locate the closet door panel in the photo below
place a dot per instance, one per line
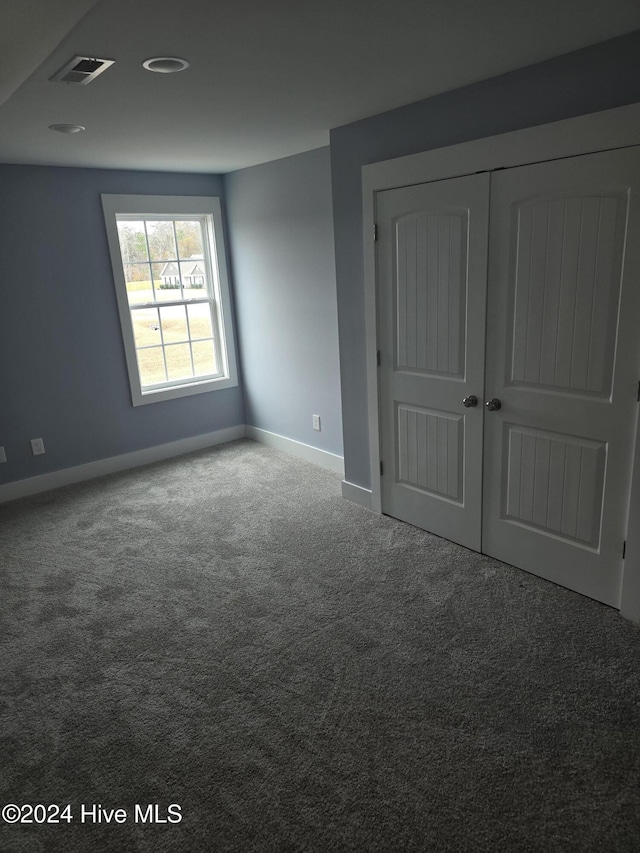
(563, 358)
(432, 264)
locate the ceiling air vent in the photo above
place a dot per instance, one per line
(81, 69)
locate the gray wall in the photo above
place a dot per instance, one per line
(596, 78)
(281, 234)
(63, 375)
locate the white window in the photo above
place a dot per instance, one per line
(170, 273)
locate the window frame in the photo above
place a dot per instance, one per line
(209, 209)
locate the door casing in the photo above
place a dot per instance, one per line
(606, 130)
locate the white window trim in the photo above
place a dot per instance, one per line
(178, 206)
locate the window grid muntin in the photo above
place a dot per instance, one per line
(206, 231)
(193, 379)
(193, 366)
(203, 280)
(153, 287)
(162, 346)
(197, 300)
(175, 237)
(176, 343)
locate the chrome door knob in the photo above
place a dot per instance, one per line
(493, 404)
(470, 401)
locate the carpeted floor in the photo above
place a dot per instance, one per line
(224, 632)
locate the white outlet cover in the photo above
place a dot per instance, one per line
(37, 446)
(3, 455)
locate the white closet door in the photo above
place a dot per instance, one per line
(563, 359)
(432, 262)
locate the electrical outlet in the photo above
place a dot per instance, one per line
(3, 455)
(37, 446)
(316, 422)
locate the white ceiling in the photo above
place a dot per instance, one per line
(268, 78)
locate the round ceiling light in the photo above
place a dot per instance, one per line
(165, 64)
(67, 128)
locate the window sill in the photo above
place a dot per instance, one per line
(158, 395)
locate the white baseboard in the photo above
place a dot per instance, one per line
(296, 448)
(113, 464)
(357, 494)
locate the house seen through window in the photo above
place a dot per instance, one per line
(172, 290)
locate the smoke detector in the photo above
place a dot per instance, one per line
(81, 70)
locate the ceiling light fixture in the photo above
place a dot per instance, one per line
(165, 64)
(67, 128)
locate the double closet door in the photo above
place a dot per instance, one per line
(509, 332)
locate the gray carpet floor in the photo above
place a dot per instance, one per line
(224, 632)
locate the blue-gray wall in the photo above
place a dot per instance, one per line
(281, 234)
(596, 78)
(63, 375)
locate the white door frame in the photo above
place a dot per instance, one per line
(617, 128)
